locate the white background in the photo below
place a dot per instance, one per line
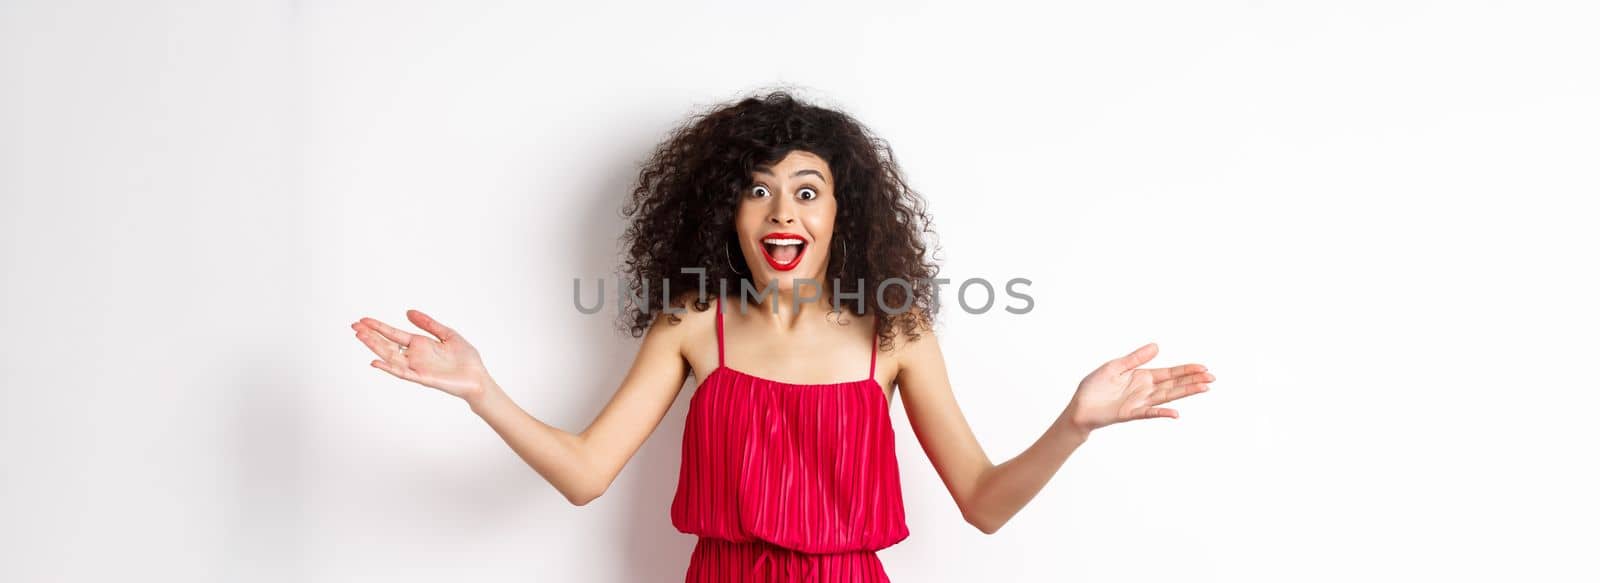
(1372, 220)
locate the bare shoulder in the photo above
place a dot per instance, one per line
(684, 316)
(687, 330)
(915, 342)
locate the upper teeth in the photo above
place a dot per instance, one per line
(782, 241)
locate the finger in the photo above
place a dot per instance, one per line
(1176, 393)
(1184, 380)
(1153, 412)
(401, 372)
(423, 321)
(1136, 358)
(1188, 379)
(379, 345)
(1162, 374)
(399, 336)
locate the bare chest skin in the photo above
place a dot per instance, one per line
(834, 351)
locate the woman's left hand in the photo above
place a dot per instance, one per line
(1121, 391)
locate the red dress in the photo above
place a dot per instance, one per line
(788, 482)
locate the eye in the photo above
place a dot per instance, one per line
(759, 191)
(807, 194)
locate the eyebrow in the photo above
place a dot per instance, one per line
(766, 170)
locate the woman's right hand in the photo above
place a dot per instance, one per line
(449, 364)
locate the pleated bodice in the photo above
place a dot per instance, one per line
(809, 468)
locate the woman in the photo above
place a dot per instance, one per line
(788, 469)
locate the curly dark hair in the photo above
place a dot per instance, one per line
(681, 212)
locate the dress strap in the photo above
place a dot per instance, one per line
(872, 371)
(719, 332)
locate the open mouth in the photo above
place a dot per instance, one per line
(783, 250)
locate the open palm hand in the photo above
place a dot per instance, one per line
(449, 364)
(1120, 391)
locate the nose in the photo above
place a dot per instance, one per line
(781, 215)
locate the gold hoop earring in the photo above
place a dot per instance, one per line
(729, 259)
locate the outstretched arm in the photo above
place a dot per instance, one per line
(988, 494)
(580, 465)
(583, 465)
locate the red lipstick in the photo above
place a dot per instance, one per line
(790, 246)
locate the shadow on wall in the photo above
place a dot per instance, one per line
(638, 504)
(463, 495)
(649, 549)
(267, 434)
